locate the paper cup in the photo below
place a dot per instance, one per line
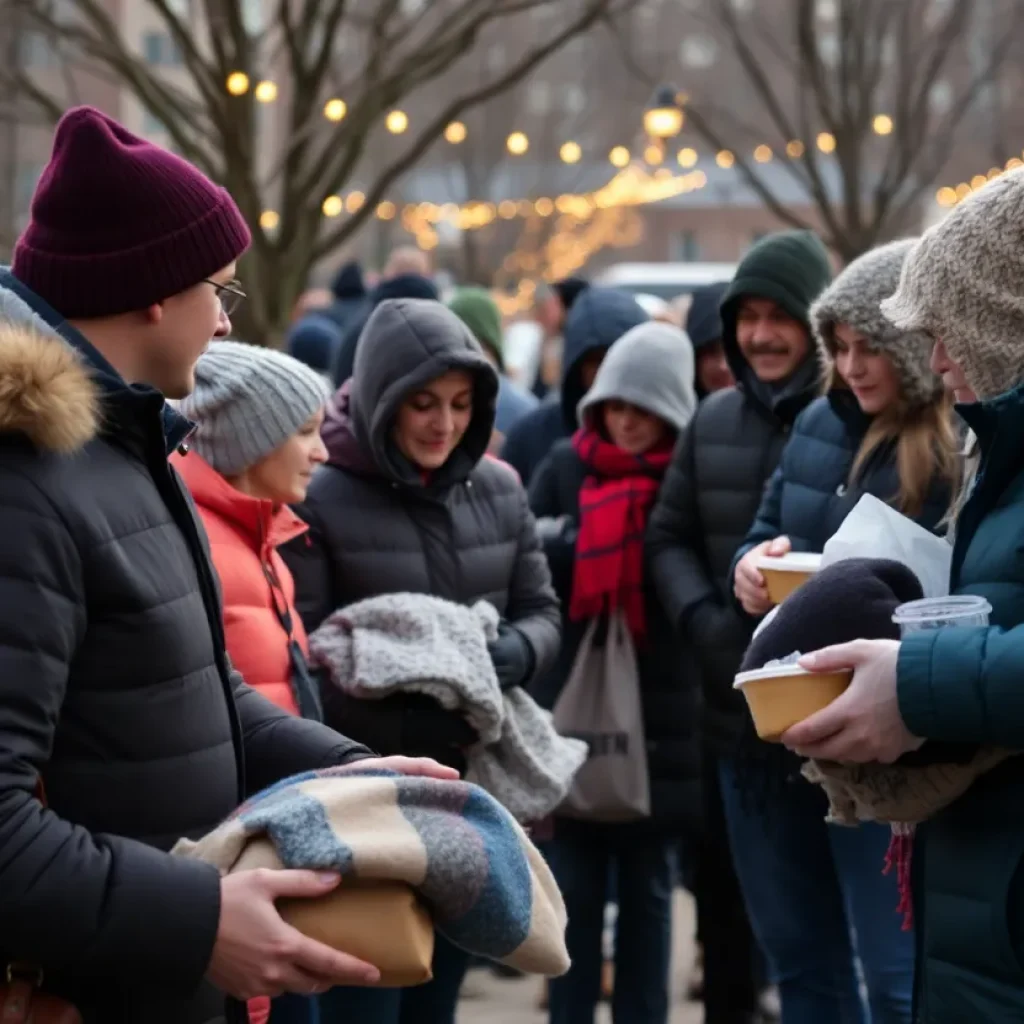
(786, 574)
(939, 612)
(780, 697)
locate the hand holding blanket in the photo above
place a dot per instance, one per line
(423, 644)
(483, 881)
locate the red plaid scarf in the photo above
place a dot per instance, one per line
(615, 501)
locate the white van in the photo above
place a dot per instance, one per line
(664, 280)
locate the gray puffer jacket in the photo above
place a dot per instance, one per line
(378, 525)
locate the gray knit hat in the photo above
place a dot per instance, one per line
(963, 283)
(650, 366)
(248, 401)
(854, 298)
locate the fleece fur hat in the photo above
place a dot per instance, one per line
(248, 401)
(650, 366)
(119, 224)
(963, 283)
(789, 267)
(854, 298)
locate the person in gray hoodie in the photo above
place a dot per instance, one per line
(592, 497)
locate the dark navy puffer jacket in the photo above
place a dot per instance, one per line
(598, 318)
(808, 497)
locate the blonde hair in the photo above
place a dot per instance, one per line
(926, 443)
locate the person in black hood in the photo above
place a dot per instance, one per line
(408, 502)
(710, 498)
(704, 326)
(316, 336)
(406, 276)
(599, 317)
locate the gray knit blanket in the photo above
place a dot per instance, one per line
(423, 644)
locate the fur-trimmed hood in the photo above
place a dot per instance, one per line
(47, 392)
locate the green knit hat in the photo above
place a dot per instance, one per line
(790, 267)
(480, 313)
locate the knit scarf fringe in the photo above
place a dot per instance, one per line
(899, 857)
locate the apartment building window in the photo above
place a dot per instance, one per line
(37, 51)
(538, 97)
(686, 247)
(698, 52)
(160, 50)
(151, 124)
(25, 185)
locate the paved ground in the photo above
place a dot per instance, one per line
(489, 1000)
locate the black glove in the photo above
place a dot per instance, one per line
(512, 656)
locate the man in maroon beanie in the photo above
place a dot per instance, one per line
(118, 707)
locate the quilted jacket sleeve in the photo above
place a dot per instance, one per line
(101, 906)
(768, 523)
(964, 685)
(278, 744)
(675, 538)
(532, 604)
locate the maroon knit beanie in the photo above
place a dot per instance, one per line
(118, 224)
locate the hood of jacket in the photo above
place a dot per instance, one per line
(24, 312)
(262, 523)
(650, 366)
(854, 298)
(404, 286)
(348, 282)
(598, 318)
(408, 343)
(703, 318)
(791, 268)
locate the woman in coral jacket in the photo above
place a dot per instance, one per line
(257, 441)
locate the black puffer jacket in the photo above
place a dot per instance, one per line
(376, 527)
(114, 688)
(668, 677)
(706, 505)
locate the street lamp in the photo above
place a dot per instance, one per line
(664, 117)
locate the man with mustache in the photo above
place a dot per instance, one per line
(707, 502)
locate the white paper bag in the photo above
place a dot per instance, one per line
(874, 530)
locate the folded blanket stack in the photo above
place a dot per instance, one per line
(487, 888)
(419, 643)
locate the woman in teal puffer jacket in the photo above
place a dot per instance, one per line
(964, 285)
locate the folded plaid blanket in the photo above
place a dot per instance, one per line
(483, 881)
(424, 644)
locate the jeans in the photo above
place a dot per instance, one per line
(818, 902)
(734, 969)
(580, 856)
(433, 1003)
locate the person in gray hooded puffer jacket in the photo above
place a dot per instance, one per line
(408, 502)
(594, 493)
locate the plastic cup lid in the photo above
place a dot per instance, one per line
(929, 608)
(795, 561)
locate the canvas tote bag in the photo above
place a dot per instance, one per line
(600, 704)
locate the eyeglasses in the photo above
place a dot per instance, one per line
(231, 295)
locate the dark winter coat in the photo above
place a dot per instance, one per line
(965, 686)
(405, 286)
(668, 678)
(709, 499)
(598, 318)
(114, 688)
(808, 496)
(376, 527)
